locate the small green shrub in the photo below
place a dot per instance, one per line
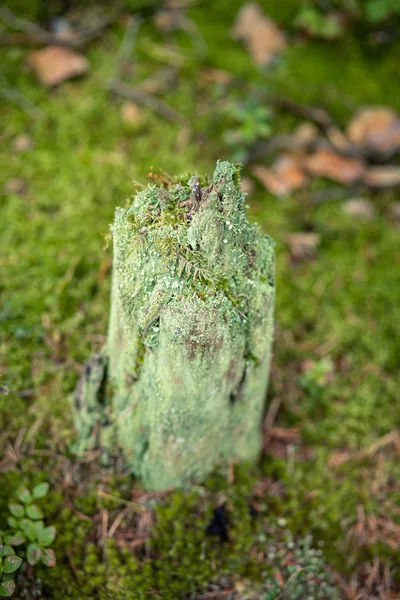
(252, 122)
(27, 526)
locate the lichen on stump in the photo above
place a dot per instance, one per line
(180, 385)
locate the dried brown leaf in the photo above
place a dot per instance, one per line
(382, 177)
(360, 208)
(376, 129)
(302, 244)
(211, 75)
(131, 113)
(22, 143)
(305, 135)
(327, 163)
(261, 35)
(284, 176)
(247, 185)
(55, 64)
(16, 185)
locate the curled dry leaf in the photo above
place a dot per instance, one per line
(261, 35)
(211, 75)
(22, 143)
(302, 245)
(54, 64)
(284, 176)
(16, 185)
(327, 163)
(131, 113)
(376, 129)
(247, 185)
(305, 135)
(360, 208)
(382, 177)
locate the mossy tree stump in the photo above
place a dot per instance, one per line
(181, 382)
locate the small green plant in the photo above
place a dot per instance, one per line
(253, 123)
(303, 573)
(380, 10)
(27, 526)
(9, 563)
(316, 376)
(314, 22)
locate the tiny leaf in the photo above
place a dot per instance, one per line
(11, 563)
(33, 554)
(34, 512)
(7, 588)
(40, 490)
(29, 529)
(49, 557)
(46, 536)
(8, 551)
(17, 510)
(12, 522)
(15, 540)
(24, 495)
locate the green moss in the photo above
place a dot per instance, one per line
(193, 281)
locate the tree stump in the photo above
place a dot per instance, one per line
(180, 385)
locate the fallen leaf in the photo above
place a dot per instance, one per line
(16, 185)
(131, 113)
(211, 75)
(302, 245)
(360, 208)
(55, 64)
(382, 177)
(375, 128)
(284, 176)
(22, 143)
(326, 163)
(261, 35)
(168, 19)
(305, 135)
(247, 185)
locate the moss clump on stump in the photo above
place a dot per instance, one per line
(181, 382)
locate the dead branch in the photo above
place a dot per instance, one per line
(141, 97)
(36, 34)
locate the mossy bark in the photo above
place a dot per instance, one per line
(181, 382)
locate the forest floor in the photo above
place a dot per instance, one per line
(331, 467)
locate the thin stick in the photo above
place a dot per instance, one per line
(126, 47)
(117, 522)
(42, 36)
(340, 458)
(141, 97)
(134, 505)
(20, 100)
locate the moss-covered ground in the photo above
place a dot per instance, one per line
(341, 305)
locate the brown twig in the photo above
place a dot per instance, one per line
(117, 522)
(339, 458)
(126, 47)
(133, 505)
(141, 97)
(39, 35)
(320, 116)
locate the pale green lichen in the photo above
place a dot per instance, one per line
(190, 330)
